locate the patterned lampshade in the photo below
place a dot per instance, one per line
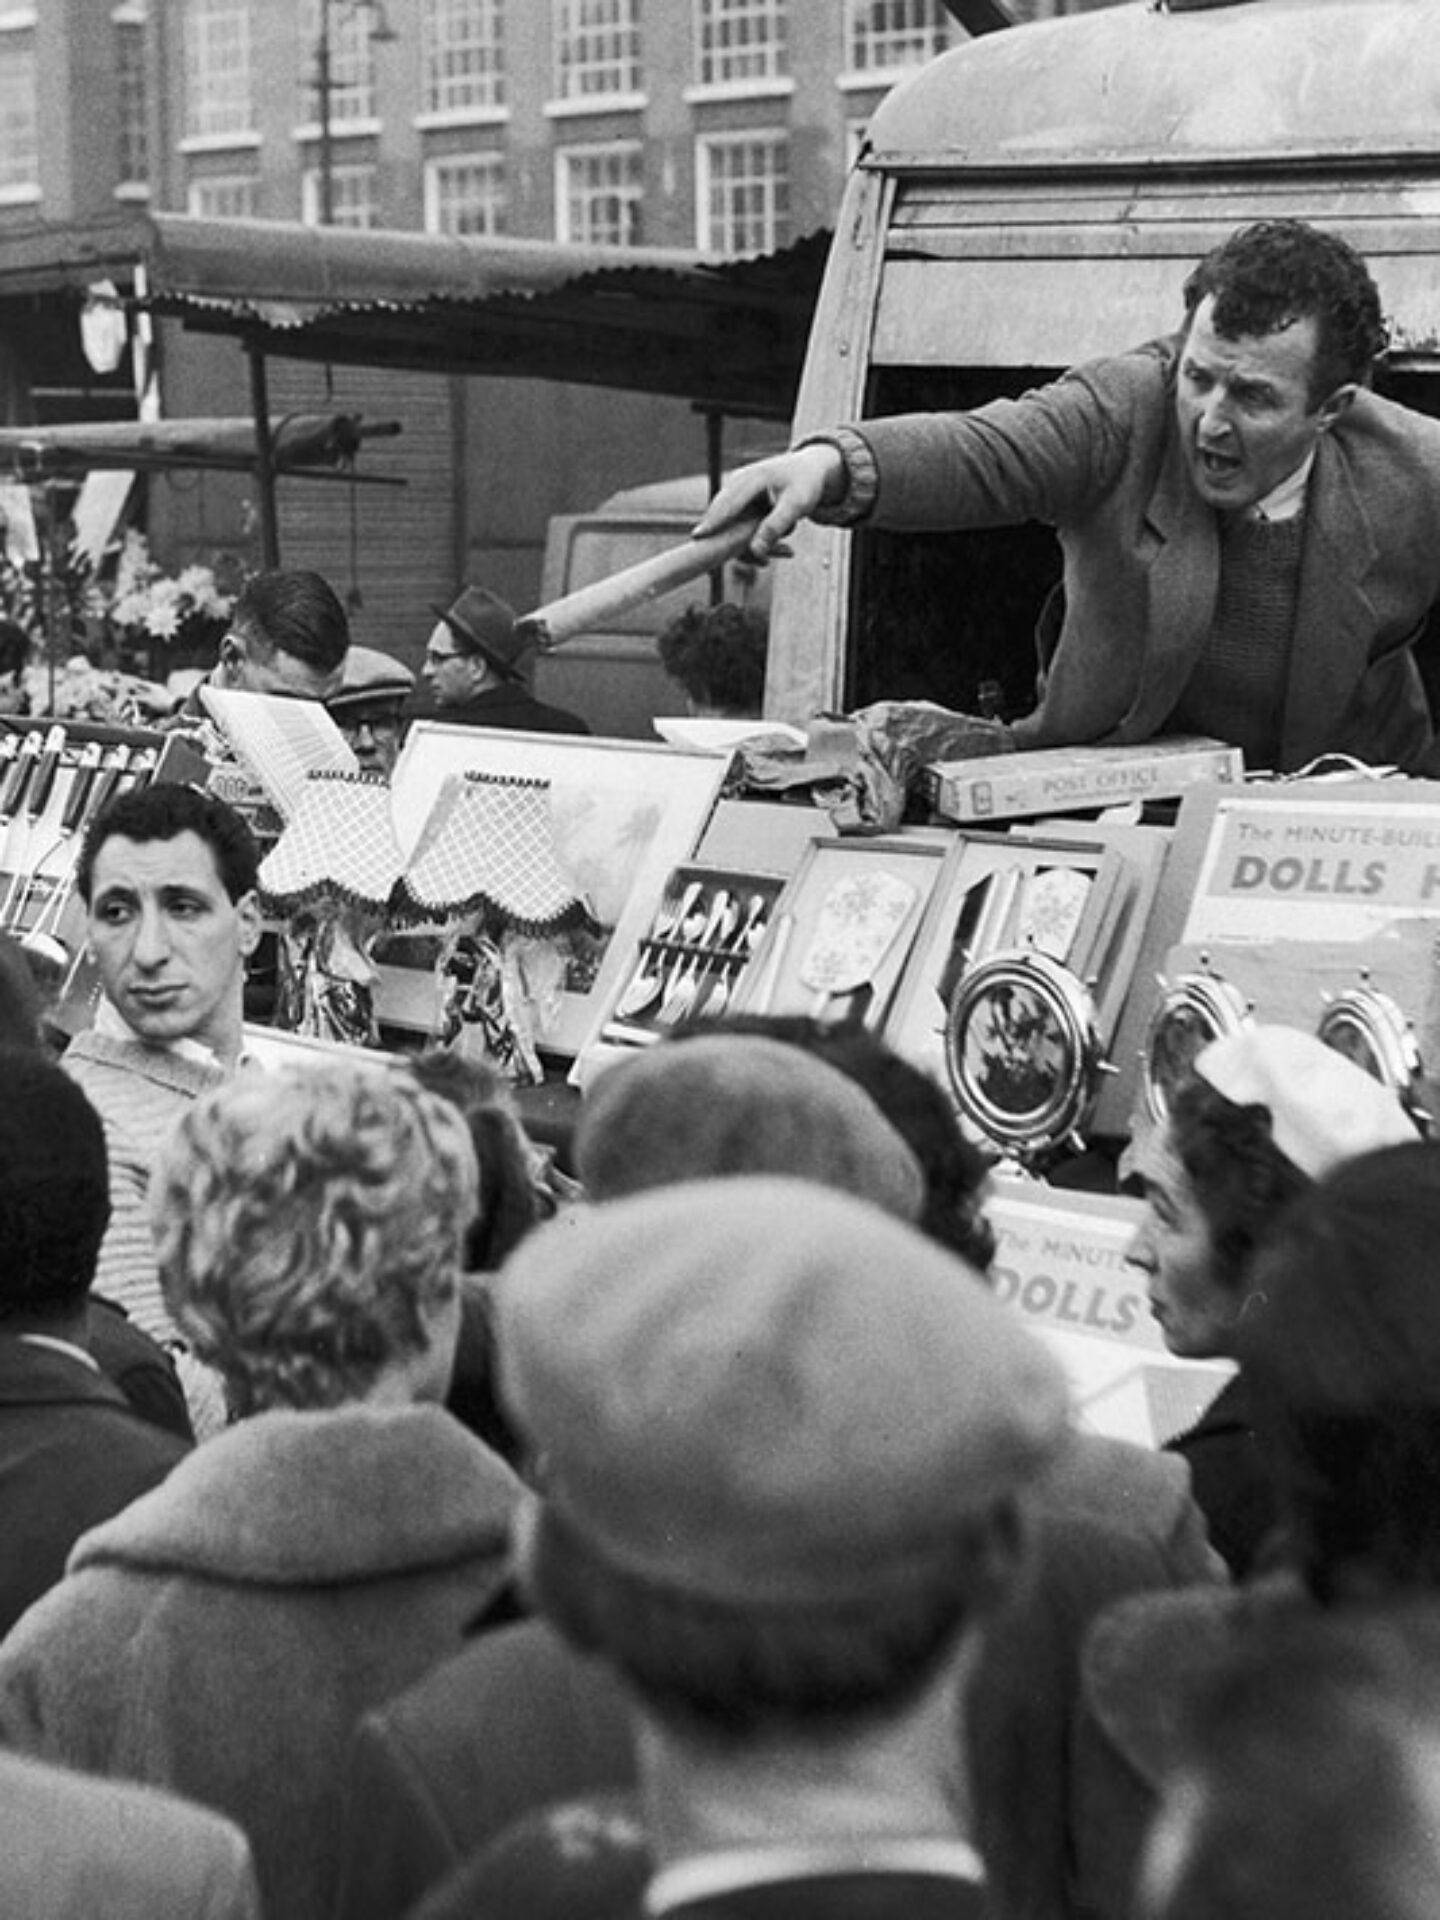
(490, 843)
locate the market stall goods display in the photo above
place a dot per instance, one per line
(55, 776)
(692, 958)
(838, 938)
(622, 815)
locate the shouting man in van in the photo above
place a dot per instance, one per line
(1251, 538)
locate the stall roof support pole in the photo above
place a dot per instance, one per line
(264, 455)
(715, 474)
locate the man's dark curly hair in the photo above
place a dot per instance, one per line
(718, 654)
(1269, 275)
(163, 811)
(1242, 1181)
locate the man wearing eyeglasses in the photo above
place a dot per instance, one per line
(472, 670)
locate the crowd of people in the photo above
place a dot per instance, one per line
(694, 1534)
(401, 1523)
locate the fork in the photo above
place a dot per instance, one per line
(675, 908)
(681, 996)
(644, 988)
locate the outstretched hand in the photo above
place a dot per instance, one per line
(791, 485)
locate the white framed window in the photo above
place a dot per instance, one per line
(742, 184)
(224, 196)
(462, 56)
(352, 59)
(741, 40)
(884, 36)
(467, 193)
(19, 126)
(597, 48)
(352, 195)
(218, 69)
(598, 194)
(132, 93)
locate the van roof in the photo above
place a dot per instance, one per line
(1055, 182)
(1271, 77)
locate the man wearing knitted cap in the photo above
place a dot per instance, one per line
(474, 669)
(1270, 1111)
(783, 1444)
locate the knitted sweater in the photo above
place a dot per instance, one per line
(140, 1093)
(223, 1635)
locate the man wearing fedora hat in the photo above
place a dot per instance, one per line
(473, 671)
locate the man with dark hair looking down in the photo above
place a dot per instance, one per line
(1249, 533)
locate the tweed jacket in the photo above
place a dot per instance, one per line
(1097, 455)
(223, 1635)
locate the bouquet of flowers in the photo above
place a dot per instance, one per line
(149, 605)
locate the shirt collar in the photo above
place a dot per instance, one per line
(712, 1874)
(112, 1024)
(1287, 500)
(60, 1346)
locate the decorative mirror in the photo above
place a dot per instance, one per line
(1369, 1028)
(1193, 1010)
(1023, 1052)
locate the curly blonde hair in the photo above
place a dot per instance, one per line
(308, 1224)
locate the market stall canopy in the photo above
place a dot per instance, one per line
(728, 334)
(300, 443)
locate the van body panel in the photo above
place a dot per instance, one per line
(614, 678)
(1035, 198)
(1301, 78)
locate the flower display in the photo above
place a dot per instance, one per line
(148, 604)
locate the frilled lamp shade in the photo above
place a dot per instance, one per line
(491, 843)
(339, 846)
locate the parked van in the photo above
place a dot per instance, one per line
(1035, 198)
(614, 678)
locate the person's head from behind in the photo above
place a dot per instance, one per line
(955, 1172)
(1307, 1776)
(717, 655)
(22, 1003)
(721, 1105)
(1344, 1365)
(512, 1195)
(288, 635)
(54, 1195)
(168, 876)
(731, 1511)
(308, 1228)
(15, 650)
(1283, 326)
(1268, 1111)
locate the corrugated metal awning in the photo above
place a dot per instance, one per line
(730, 334)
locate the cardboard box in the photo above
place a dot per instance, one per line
(1010, 786)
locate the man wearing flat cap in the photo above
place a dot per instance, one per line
(473, 669)
(368, 709)
(782, 1443)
